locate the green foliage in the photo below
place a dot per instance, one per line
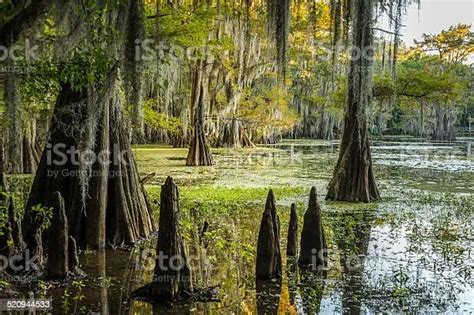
(453, 45)
(159, 121)
(45, 214)
(3, 216)
(268, 107)
(187, 26)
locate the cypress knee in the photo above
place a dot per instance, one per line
(7, 242)
(312, 236)
(268, 247)
(11, 240)
(58, 265)
(73, 255)
(172, 275)
(291, 247)
(18, 243)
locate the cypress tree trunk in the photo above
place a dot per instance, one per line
(114, 209)
(134, 67)
(13, 104)
(29, 153)
(422, 119)
(353, 178)
(199, 153)
(444, 124)
(3, 182)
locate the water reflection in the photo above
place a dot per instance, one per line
(312, 284)
(412, 252)
(268, 296)
(352, 234)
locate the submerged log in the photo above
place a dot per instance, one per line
(172, 276)
(313, 242)
(268, 247)
(58, 257)
(291, 247)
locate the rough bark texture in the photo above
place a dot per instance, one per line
(199, 153)
(172, 276)
(30, 154)
(313, 242)
(114, 211)
(15, 226)
(353, 178)
(268, 247)
(7, 242)
(3, 182)
(444, 128)
(58, 243)
(235, 135)
(291, 247)
(13, 105)
(134, 67)
(73, 257)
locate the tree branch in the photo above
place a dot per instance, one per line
(25, 19)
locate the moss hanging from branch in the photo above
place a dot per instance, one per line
(135, 33)
(278, 28)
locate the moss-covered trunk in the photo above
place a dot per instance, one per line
(106, 203)
(353, 178)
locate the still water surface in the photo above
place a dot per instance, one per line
(413, 251)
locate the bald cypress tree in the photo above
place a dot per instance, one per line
(353, 178)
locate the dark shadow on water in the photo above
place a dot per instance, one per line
(311, 290)
(268, 296)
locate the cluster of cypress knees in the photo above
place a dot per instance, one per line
(62, 251)
(312, 245)
(171, 284)
(174, 284)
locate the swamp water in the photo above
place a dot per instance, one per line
(412, 252)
